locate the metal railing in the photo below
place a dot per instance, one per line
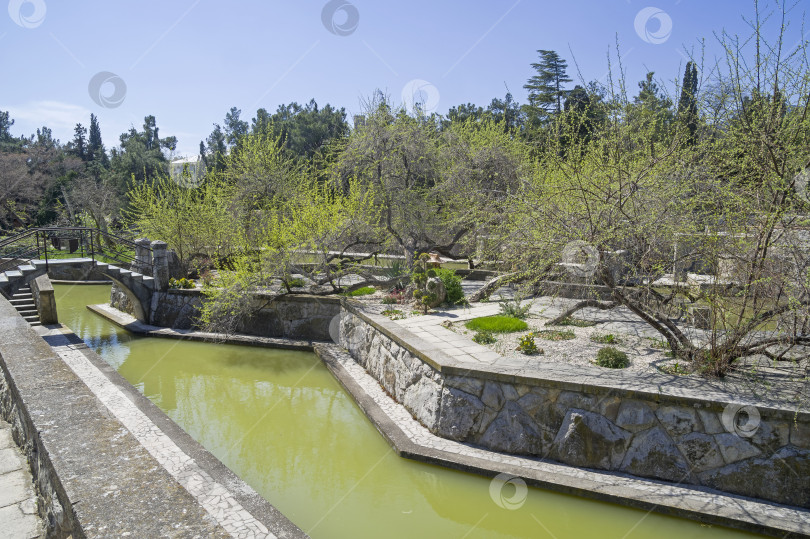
(50, 243)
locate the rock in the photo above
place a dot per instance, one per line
(436, 286)
(771, 435)
(800, 435)
(701, 451)
(509, 392)
(566, 401)
(460, 415)
(711, 422)
(422, 400)
(784, 477)
(486, 419)
(473, 386)
(532, 403)
(678, 420)
(734, 448)
(589, 440)
(609, 407)
(635, 416)
(513, 431)
(653, 454)
(492, 396)
(522, 389)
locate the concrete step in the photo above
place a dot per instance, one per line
(28, 312)
(30, 318)
(34, 323)
(20, 300)
(14, 274)
(25, 268)
(27, 306)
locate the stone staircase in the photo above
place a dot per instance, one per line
(23, 301)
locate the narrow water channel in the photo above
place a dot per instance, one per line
(282, 423)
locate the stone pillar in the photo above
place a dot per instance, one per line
(160, 265)
(143, 257)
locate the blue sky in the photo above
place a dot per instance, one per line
(188, 61)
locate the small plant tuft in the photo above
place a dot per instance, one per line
(394, 314)
(514, 309)
(576, 322)
(484, 337)
(606, 338)
(557, 334)
(612, 358)
(365, 291)
(528, 346)
(181, 283)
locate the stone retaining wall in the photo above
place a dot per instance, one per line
(290, 316)
(677, 436)
(79, 269)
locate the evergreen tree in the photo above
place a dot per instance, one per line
(78, 146)
(95, 148)
(687, 104)
(546, 88)
(235, 128)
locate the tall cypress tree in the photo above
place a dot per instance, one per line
(687, 104)
(95, 147)
(546, 88)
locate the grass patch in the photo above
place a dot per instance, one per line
(365, 291)
(606, 338)
(611, 358)
(556, 334)
(496, 324)
(576, 322)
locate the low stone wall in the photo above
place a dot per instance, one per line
(290, 316)
(76, 269)
(45, 300)
(660, 427)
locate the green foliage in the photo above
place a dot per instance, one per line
(607, 338)
(296, 282)
(527, 345)
(514, 309)
(556, 334)
(452, 285)
(365, 291)
(181, 283)
(496, 324)
(394, 314)
(612, 358)
(484, 337)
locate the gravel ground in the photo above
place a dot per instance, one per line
(644, 353)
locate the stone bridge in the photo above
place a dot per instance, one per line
(136, 283)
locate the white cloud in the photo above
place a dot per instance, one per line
(58, 116)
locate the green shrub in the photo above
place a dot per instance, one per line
(557, 334)
(528, 346)
(514, 309)
(496, 324)
(452, 284)
(607, 338)
(611, 358)
(294, 283)
(484, 337)
(365, 291)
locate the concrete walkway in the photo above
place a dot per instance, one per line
(18, 501)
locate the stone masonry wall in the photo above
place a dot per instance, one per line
(294, 316)
(705, 443)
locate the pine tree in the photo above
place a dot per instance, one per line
(687, 104)
(546, 88)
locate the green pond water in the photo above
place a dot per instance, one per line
(282, 423)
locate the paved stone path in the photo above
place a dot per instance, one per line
(18, 501)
